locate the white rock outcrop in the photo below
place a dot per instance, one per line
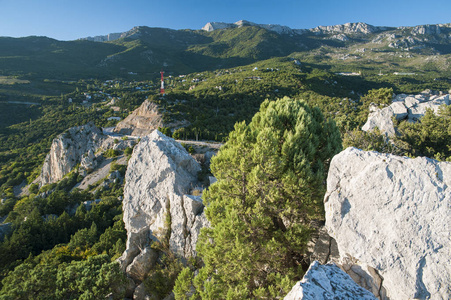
(409, 107)
(327, 282)
(157, 204)
(382, 120)
(392, 215)
(75, 145)
(211, 26)
(348, 28)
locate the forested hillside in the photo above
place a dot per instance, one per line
(61, 243)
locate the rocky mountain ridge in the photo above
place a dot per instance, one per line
(144, 50)
(347, 28)
(341, 28)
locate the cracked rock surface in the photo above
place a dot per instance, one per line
(160, 176)
(391, 215)
(327, 282)
(77, 144)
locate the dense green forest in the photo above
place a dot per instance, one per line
(62, 245)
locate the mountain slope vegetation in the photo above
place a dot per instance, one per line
(213, 80)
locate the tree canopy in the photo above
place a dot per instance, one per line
(271, 176)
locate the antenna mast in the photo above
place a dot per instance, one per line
(162, 83)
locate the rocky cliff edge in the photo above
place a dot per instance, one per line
(76, 145)
(391, 219)
(157, 203)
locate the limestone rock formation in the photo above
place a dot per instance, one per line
(381, 119)
(67, 151)
(142, 264)
(157, 204)
(410, 107)
(118, 143)
(141, 121)
(327, 282)
(348, 28)
(391, 217)
(211, 26)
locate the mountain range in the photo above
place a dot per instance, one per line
(146, 50)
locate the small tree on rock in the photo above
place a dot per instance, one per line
(271, 182)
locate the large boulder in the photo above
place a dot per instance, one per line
(391, 215)
(157, 205)
(70, 148)
(327, 282)
(381, 119)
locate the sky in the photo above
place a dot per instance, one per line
(70, 20)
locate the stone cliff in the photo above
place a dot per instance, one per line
(157, 203)
(76, 145)
(391, 219)
(141, 121)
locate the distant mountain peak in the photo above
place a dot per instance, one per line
(343, 28)
(211, 26)
(358, 27)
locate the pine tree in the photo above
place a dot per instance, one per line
(271, 176)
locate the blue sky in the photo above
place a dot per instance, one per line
(68, 20)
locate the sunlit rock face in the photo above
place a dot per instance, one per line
(157, 202)
(327, 282)
(76, 145)
(391, 215)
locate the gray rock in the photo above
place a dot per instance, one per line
(347, 28)
(323, 247)
(116, 143)
(411, 101)
(399, 110)
(403, 106)
(88, 160)
(129, 288)
(393, 214)
(381, 119)
(142, 264)
(159, 176)
(327, 282)
(418, 111)
(141, 293)
(67, 150)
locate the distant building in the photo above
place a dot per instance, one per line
(349, 74)
(403, 73)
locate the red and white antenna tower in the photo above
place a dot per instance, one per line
(162, 83)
